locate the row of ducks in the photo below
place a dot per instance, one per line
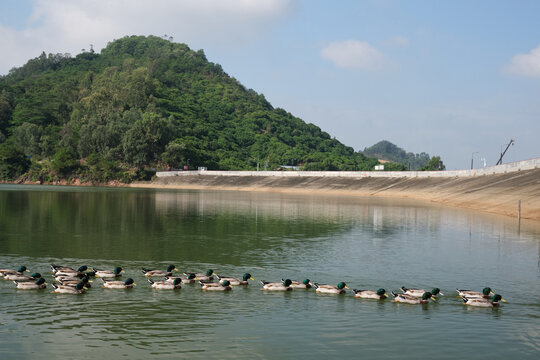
(76, 281)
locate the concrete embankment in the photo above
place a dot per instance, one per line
(494, 189)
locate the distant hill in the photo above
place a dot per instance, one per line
(146, 102)
(385, 150)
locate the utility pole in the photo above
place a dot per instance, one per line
(504, 152)
(472, 158)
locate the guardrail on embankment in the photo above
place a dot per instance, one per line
(499, 169)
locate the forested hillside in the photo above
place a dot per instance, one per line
(385, 150)
(143, 103)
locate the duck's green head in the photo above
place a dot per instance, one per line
(225, 283)
(171, 268)
(40, 281)
(91, 273)
(22, 269)
(306, 282)
(177, 281)
(246, 277)
(36, 275)
(486, 291)
(497, 298)
(209, 272)
(191, 276)
(287, 282)
(129, 281)
(381, 292)
(426, 295)
(82, 268)
(117, 270)
(342, 285)
(84, 279)
(79, 286)
(435, 291)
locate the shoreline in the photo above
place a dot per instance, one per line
(496, 193)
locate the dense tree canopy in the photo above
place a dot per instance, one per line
(385, 150)
(145, 102)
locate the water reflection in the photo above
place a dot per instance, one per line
(368, 243)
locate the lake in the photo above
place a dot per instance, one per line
(369, 243)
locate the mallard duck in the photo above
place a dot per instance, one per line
(204, 277)
(331, 289)
(107, 274)
(30, 285)
(235, 281)
(74, 281)
(485, 294)
(65, 277)
(284, 285)
(190, 279)
(60, 270)
(306, 284)
(493, 302)
(65, 289)
(20, 270)
(420, 292)
(20, 277)
(160, 273)
(411, 299)
(116, 284)
(166, 285)
(212, 286)
(371, 294)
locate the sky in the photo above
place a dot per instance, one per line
(457, 79)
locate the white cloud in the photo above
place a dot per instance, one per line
(525, 64)
(353, 54)
(68, 26)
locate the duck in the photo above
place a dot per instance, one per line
(204, 277)
(212, 286)
(306, 284)
(160, 273)
(235, 281)
(20, 270)
(57, 269)
(118, 284)
(20, 277)
(284, 285)
(411, 299)
(108, 273)
(190, 279)
(74, 281)
(331, 289)
(420, 292)
(371, 294)
(482, 302)
(166, 285)
(65, 277)
(30, 285)
(66, 289)
(485, 294)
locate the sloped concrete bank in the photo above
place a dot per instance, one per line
(497, 192)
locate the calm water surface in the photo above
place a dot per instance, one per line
(368, 243)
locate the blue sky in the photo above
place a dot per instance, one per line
(449, 78)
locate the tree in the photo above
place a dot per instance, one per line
(434, 164)
(145, 140)
(13, 163)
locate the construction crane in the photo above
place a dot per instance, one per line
(504, 152)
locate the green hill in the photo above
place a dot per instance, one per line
(145, 102)
(385, 150)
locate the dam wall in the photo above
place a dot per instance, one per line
(490, 170)
(499, 189)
